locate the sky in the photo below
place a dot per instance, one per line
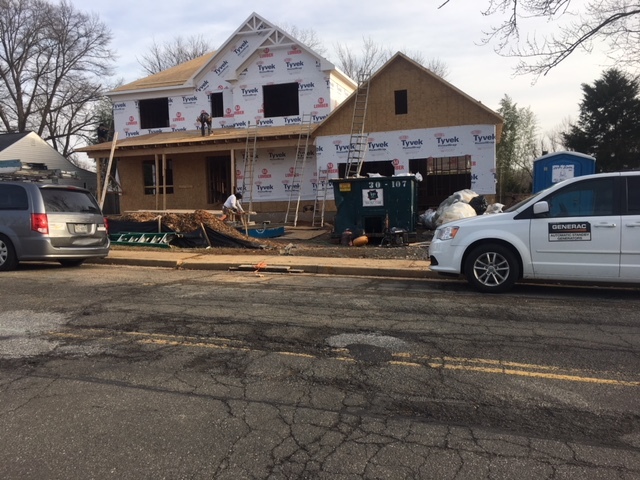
(452, 34)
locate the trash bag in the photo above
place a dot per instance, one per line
(479, 204)
(454, 212)
(494, 208)
(465, 195)
(460, 196)
(428, 219)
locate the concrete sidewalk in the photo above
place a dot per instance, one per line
(270, 263)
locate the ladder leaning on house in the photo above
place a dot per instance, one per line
(297, 171)
(249, 167)
(322, 185)
(358, 142)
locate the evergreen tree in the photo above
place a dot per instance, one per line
(516, 150)
(609, 124)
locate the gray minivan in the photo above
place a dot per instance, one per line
(50, 222)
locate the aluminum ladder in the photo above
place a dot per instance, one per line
(322, 185)
(161, 240)
(249, 166)
(297, 171)
(358, 142)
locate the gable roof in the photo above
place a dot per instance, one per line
(273, 36)
(176, 76)
(396, 74)
(186, 74)
(35, 153)
(8, 139)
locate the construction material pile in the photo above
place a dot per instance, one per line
(192, 226)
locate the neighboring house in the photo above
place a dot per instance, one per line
(40, 162)
(263, 86)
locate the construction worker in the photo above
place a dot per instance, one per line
(232, 207)
(205, 121)
(103, 133)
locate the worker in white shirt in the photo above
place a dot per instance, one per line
(232, 207)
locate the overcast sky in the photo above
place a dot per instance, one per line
(452, 34)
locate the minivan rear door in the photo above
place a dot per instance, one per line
(630, 256)
(75, 219)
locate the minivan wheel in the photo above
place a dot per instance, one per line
(8, 259)
(492, 268)
(71, 262)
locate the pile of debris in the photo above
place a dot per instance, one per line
(462, 204)
(197, 229)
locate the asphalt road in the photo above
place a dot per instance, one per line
(131, 373)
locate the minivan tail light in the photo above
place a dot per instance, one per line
(40, 223)
(106, 224)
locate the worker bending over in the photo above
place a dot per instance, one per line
(232, 207)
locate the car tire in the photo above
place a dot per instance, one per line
(492, 268)
(8, 259)
(68, 262)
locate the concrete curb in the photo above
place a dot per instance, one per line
(418, 269)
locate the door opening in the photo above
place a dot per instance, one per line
(218, 179)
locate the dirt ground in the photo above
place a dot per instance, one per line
(318, 246)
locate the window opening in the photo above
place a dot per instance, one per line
(154, 113)
(383, 168)
(402, 106)
(149, 174)
(442, 176)
(281, 100)
(217, 105)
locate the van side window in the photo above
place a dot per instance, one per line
(13, 197)
(583, 199)
(61, 200)
(633, 195)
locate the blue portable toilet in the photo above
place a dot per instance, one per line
(555, 167)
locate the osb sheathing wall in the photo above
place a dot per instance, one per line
(189, 184)
(432, 103)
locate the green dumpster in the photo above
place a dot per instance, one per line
(375, 205)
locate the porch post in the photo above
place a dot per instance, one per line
(157, 180)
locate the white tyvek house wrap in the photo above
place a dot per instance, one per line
(273, 175)
(273, 172)
(319, 91)
(399, 147)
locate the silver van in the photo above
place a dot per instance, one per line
(50, 222)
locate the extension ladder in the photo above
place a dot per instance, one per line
(160, 240)
(322, 185)
(358, 142)
(297, 171)
(249, 166)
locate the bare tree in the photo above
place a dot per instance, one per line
(436, 65)
(373, 55)
(173, 52)
(307, 36)
(577, 26)
(553, 140)
(52, 60)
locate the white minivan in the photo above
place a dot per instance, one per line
(50, 222)
(585, 229)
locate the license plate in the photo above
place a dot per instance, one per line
(82, 228)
